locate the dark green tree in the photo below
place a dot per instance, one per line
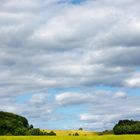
(52, 133)
(127, 127)
(76, 134)
(12, 124)
(81, 128)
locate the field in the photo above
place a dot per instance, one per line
(105, 137)
(64, 135)
(72, 132)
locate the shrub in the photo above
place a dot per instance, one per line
(76, 134)
(52, 133)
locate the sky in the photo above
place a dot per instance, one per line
(66, 64)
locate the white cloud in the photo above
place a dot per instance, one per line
(120, 95)
(53, 44)
(134, 80)
(97, 118)
(108, 111)
(92, 97)
(39, 98)
(70, 98)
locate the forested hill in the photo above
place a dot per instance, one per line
(12, 124)
(10, 118)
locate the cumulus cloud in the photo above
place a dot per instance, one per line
(103, 115)
(100, 109)
(120, 95)
(134, 80)
(70, 98)
(43, 44)
(39, 98)
(92, 97)
(68, 44)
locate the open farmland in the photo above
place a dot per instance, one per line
(105, 137)
(72, 132)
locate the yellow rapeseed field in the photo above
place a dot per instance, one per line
(104, 137)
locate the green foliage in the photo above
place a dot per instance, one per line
(52, 133)
(12, 124)
(106, 132)
(76, 134)
(34, 131)
(31, 126)
(20, 131)
(127, 127)
(80, 128)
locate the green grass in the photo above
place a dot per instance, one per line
(105, 137)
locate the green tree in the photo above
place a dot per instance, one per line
(12, 124)
(81, 128)
(127, 127)
(76, 134)
(52, 133)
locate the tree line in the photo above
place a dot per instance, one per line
(12, 124)
(127, 127)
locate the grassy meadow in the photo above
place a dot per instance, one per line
(104, 137)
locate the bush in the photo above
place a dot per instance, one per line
(51, 133)
(35, 131)
(76, 134)
(20, 131)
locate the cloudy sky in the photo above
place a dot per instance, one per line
(66, 64)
